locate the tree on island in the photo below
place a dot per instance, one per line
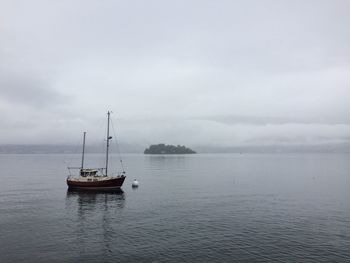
(168, 149)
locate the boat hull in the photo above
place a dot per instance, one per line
(109, 184)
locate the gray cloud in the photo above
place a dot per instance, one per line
(27, 91)
(265, 120)
(198, 72)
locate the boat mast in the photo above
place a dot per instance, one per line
(82, 158)
(108, 138)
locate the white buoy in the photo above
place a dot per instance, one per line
(135, 183)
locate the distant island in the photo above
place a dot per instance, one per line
(168, 149)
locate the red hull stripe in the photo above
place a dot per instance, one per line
(112, 183)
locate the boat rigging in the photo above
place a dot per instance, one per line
(96, 178)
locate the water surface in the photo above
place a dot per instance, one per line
(193, 208)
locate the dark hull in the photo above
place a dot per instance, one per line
(114, 183)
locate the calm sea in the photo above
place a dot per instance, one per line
(195, 208)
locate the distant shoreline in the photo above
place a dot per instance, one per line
(277, 149)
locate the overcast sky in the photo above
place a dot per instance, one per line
(220, 73)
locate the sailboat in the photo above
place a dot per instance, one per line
(95, 178)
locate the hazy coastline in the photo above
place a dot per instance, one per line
(69, 149)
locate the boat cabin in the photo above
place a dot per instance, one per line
(88, 172)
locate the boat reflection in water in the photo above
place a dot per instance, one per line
(95, 218)
(94, 200)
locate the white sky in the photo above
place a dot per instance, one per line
(219, 73)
